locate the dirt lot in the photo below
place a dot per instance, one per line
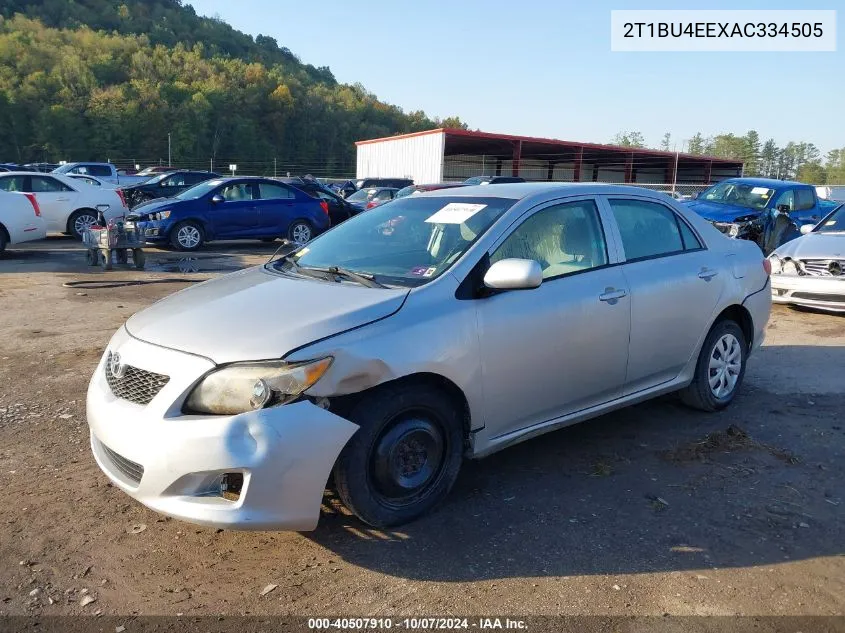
(651, 510)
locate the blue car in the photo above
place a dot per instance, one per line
(232, 209)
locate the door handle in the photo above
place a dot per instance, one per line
(611, 295)
(707, 274)
(62, 199)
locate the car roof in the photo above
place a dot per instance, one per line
(541, 190)
(766, 182)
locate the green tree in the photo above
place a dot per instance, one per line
(628, 139)
(666, 142)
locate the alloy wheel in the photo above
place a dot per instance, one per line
(83, 222)
(301, 233)
(188, 237)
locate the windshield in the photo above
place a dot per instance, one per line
(407, 242)
(154, 179)
(738, 194)
(406, 191)
(477, 180)
(834, 223)
(362, 195)
(198, 191)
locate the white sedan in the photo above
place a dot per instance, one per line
(20, 219)
(68, 206)
(93, 181)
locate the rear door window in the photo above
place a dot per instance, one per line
(649, 229)
(12, 183)
(271, 191)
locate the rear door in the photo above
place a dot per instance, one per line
(675, 285)
(237, 216)
(277, 204)
(56, 199)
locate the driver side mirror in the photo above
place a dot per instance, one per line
(784, 208)
(514, 274)
(217, 199)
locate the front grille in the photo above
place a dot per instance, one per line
(824, 267)
(812, 296)
(130, 383)
(129, 469)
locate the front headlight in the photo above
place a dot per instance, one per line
(734, 230)
(159, 215)
(245, 387)
(777, 264)
(788, 267)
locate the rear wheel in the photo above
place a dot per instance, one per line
(300, 232)
(404, 458)
(3, 239)
(80, 221)
(187, 236)
(720, 368)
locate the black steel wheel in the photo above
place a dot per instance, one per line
(404, 458)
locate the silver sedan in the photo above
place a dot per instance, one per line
(439, 327)
(810, 270)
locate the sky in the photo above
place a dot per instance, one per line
(544, 67)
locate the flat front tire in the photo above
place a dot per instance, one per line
(404, 458)
(719, 370)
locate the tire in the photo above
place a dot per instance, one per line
(92, 256)
(139, 258)
(423, 424)
(300, 232)
(79, 221)
(105, 259)
(3, 239)
(725, 339)
(187, 236)
(122, 256)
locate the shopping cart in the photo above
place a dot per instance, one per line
(115, 240)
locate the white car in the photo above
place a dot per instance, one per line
(68, 206)
(20, 219)
(810, 270)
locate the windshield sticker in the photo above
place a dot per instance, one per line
(418, 270)
(455, 213)
(760, 191)
(429, 272)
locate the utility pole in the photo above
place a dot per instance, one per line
(169, 164)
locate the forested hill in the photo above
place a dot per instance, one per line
(98, 79)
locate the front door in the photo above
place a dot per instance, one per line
(56, 201)
(675, 285)
(237, 216)
(562, 347)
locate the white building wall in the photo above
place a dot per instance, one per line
(417, 157)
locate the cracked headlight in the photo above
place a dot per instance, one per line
(777, 264)
(242, 387)
(788, 267)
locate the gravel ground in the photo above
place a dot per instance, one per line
(647, 511)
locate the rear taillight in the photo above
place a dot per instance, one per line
(122, 198)
(324, 206)
(767, 266)
(34, 202)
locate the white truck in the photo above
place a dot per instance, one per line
(104, 171)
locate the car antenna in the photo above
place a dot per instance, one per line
(285, 243)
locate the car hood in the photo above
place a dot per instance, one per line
(157, 204)
(255, 314)
(814, 246)
(716, 212)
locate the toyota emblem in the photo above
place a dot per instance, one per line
(115, 367)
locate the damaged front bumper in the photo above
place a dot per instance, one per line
(823, 293)
(184, 465)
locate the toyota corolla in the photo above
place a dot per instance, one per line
(439, 327)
